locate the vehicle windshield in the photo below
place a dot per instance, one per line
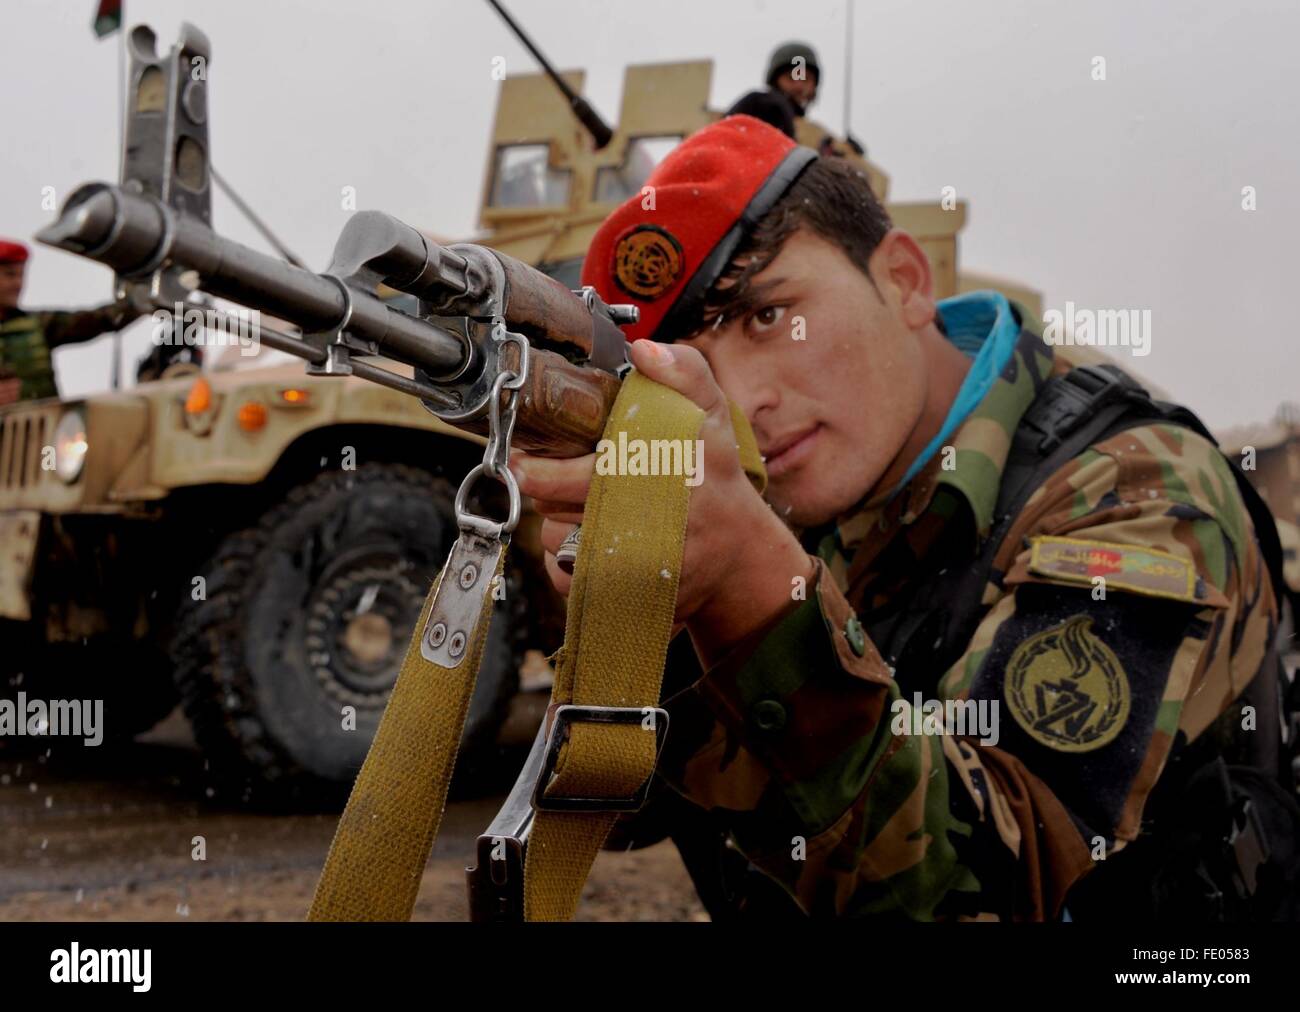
(522, 177)
(616, 183)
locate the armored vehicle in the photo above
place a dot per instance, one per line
(257, 543)
(250, 541)
(1269, 453)
(548, 186)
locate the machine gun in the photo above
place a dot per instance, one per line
(482, 316)
(495, 346)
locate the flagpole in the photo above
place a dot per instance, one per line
(848, 65)
(116, 374)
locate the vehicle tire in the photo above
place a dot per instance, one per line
(311, 611)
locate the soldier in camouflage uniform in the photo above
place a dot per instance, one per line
(28, 338)
(1126, 610)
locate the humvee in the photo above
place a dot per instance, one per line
(547, 188)
(257, 543)
(1269, 453)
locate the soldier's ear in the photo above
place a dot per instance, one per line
(902, 271)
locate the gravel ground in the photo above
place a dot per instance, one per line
(108, 835)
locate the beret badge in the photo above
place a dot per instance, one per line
(647, 261)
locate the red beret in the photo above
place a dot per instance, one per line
(663, 251)
(12, 252)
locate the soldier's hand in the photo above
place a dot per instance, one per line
(10, 389)
(739, 560)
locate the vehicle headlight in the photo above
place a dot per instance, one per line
(70, 446)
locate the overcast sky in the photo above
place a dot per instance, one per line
(1115, 194)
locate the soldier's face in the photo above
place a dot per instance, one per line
(830, 374)
(802, 89)
(11, 284)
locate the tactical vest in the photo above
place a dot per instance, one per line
(1221, 834)
(24, 352)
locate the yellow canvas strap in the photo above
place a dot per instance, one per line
(620, 619)
(384, 836)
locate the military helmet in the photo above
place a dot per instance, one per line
(784, 56)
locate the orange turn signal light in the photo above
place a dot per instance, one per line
(252, 416)
(296, 396)
(199, 399)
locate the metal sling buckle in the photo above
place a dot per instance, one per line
(496, 455)
(1249, 845)
(449, 631)
(569, 714)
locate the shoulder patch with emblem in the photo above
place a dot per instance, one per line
(647, 261)
(1067, 689)
(1126, 567)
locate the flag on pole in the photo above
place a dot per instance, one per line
(108, 18)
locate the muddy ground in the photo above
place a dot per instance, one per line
(107, 835)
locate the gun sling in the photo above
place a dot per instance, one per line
(604, 725)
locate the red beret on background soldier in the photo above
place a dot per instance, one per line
(27, 338)
(805, 772)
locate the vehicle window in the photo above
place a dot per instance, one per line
(615, 184)
(522, 177)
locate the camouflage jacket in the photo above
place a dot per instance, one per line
(28, 338)
(812, 754)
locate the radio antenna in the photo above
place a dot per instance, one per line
(848, 65)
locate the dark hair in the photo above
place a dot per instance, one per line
(832, 198)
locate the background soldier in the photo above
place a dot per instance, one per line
(28, 338)
(1109, 623)
(793, 78)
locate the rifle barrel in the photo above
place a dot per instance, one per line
(563, 405)
(133, 234)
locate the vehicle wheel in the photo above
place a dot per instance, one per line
(311, 612)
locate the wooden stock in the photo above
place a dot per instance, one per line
(538, 306)
(562, 407)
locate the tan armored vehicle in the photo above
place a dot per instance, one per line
(252, 541)
(1270, 455)
(258, 542)
(547, 189)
